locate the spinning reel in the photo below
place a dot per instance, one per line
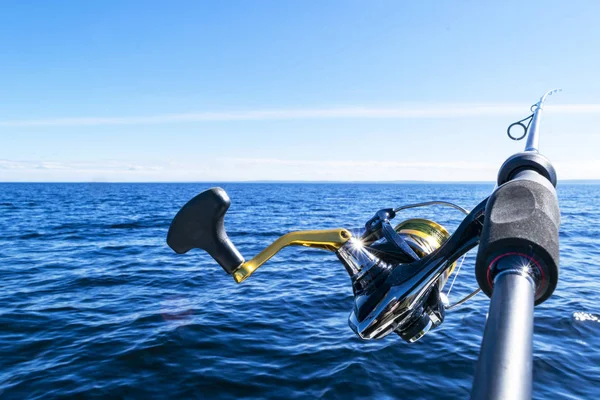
(398, 272)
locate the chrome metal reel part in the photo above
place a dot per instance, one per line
(396, 294)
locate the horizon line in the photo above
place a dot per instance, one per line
(261, 181)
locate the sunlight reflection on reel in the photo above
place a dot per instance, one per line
(444, 299)
(357, 244)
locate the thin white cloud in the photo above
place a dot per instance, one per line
(357, 164)
(79, 167)
(400, 112)
(244, 169)
(229, 169)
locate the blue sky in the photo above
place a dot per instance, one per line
(292, 90)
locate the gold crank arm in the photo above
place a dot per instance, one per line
(327, 239)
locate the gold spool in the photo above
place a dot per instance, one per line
(425, 236)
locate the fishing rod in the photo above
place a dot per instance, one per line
(398, 272)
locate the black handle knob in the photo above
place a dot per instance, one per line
(199, 224)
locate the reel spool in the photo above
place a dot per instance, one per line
(424, 237)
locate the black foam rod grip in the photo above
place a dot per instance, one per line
(199, 224)
(521, 216)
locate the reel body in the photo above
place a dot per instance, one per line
(410, 313)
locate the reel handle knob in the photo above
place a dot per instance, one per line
(199, 224)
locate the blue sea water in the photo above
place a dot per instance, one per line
(93, 304)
